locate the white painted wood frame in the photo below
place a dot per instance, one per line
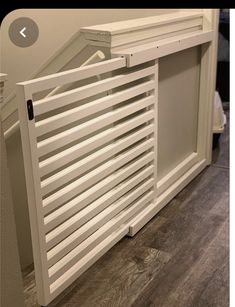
(90, 153)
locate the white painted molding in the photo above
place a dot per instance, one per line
(138, 31)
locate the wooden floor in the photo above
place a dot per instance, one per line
(179, 259)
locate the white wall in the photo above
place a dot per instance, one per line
(55, 28)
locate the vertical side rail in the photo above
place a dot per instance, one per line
(155, 127)
(154, 92)
(207, 87)
(142, 218)
(213, 17)
(29, 147)
(202, 114)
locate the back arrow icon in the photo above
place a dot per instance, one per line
(22, 32)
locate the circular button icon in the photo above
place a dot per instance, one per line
(23, 32)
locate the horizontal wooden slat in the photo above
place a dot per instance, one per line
(78, 113)
(94, 176)
(72, 75)
(63, 231)
(79, 202)
(94, 241)
(61, 100)
(70, 135)
(54, 219)
(66, 279)
(80, 167)
(51, 164)
(71, 242)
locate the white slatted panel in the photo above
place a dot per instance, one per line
(89, 161)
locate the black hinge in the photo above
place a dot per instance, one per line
(30, 109)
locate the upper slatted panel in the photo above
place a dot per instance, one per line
(61, 100)
(73, 75)
(95, 152)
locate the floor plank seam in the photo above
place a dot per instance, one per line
(220, 166)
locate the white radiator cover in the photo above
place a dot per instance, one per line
(91, 152)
